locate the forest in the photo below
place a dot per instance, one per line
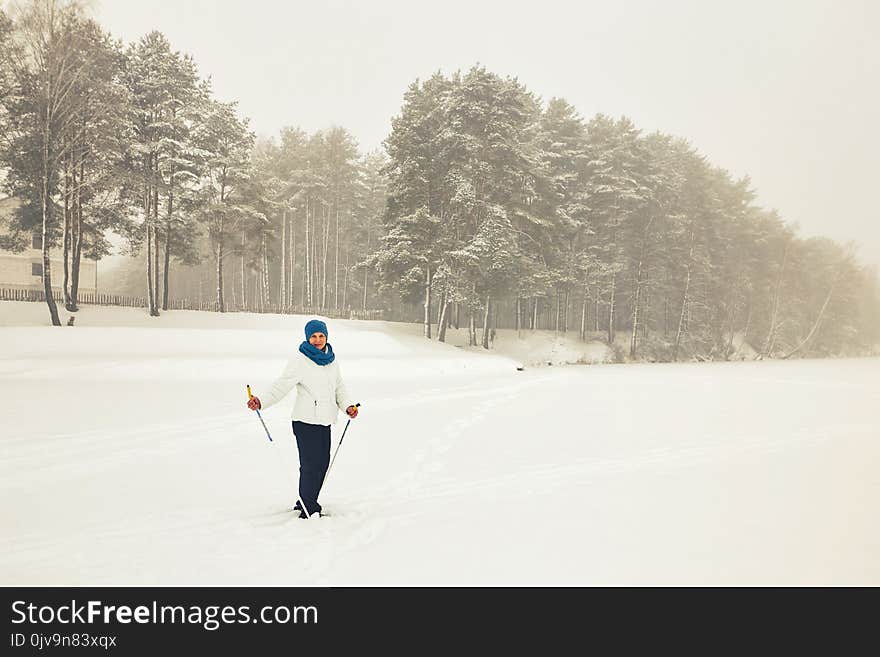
(487, 208)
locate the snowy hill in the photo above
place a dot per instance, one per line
(130, 458)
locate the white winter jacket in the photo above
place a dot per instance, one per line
(320, 392)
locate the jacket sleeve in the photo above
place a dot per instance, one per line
(283, 384)
(343, 400)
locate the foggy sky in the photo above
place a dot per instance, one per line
(786, 92)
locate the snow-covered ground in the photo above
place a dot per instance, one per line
(129, 457)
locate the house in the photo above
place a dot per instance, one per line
(24, 270)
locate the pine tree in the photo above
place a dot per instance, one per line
(418, 201)
(616, 196)
(564, 227)
(170, 104)
(493, 168)
(366, 228)
(224, 209)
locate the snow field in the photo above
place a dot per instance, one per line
(130, 458)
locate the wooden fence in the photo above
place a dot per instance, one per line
(190, 304)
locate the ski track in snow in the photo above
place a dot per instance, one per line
(412, 494)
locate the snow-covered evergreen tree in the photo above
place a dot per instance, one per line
(225, 208)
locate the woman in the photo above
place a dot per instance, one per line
(319, 393)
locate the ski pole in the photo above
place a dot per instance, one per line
(302, 504)
(250, 396)
(336, 451)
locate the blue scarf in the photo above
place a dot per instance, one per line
(316, 355)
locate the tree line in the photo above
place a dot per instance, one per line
(99, 137)
(488, 207)
(496, 199)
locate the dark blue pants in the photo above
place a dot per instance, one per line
(313, 443)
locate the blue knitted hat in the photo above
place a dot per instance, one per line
(316, 326)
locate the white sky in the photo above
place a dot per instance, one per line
(786, 92)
